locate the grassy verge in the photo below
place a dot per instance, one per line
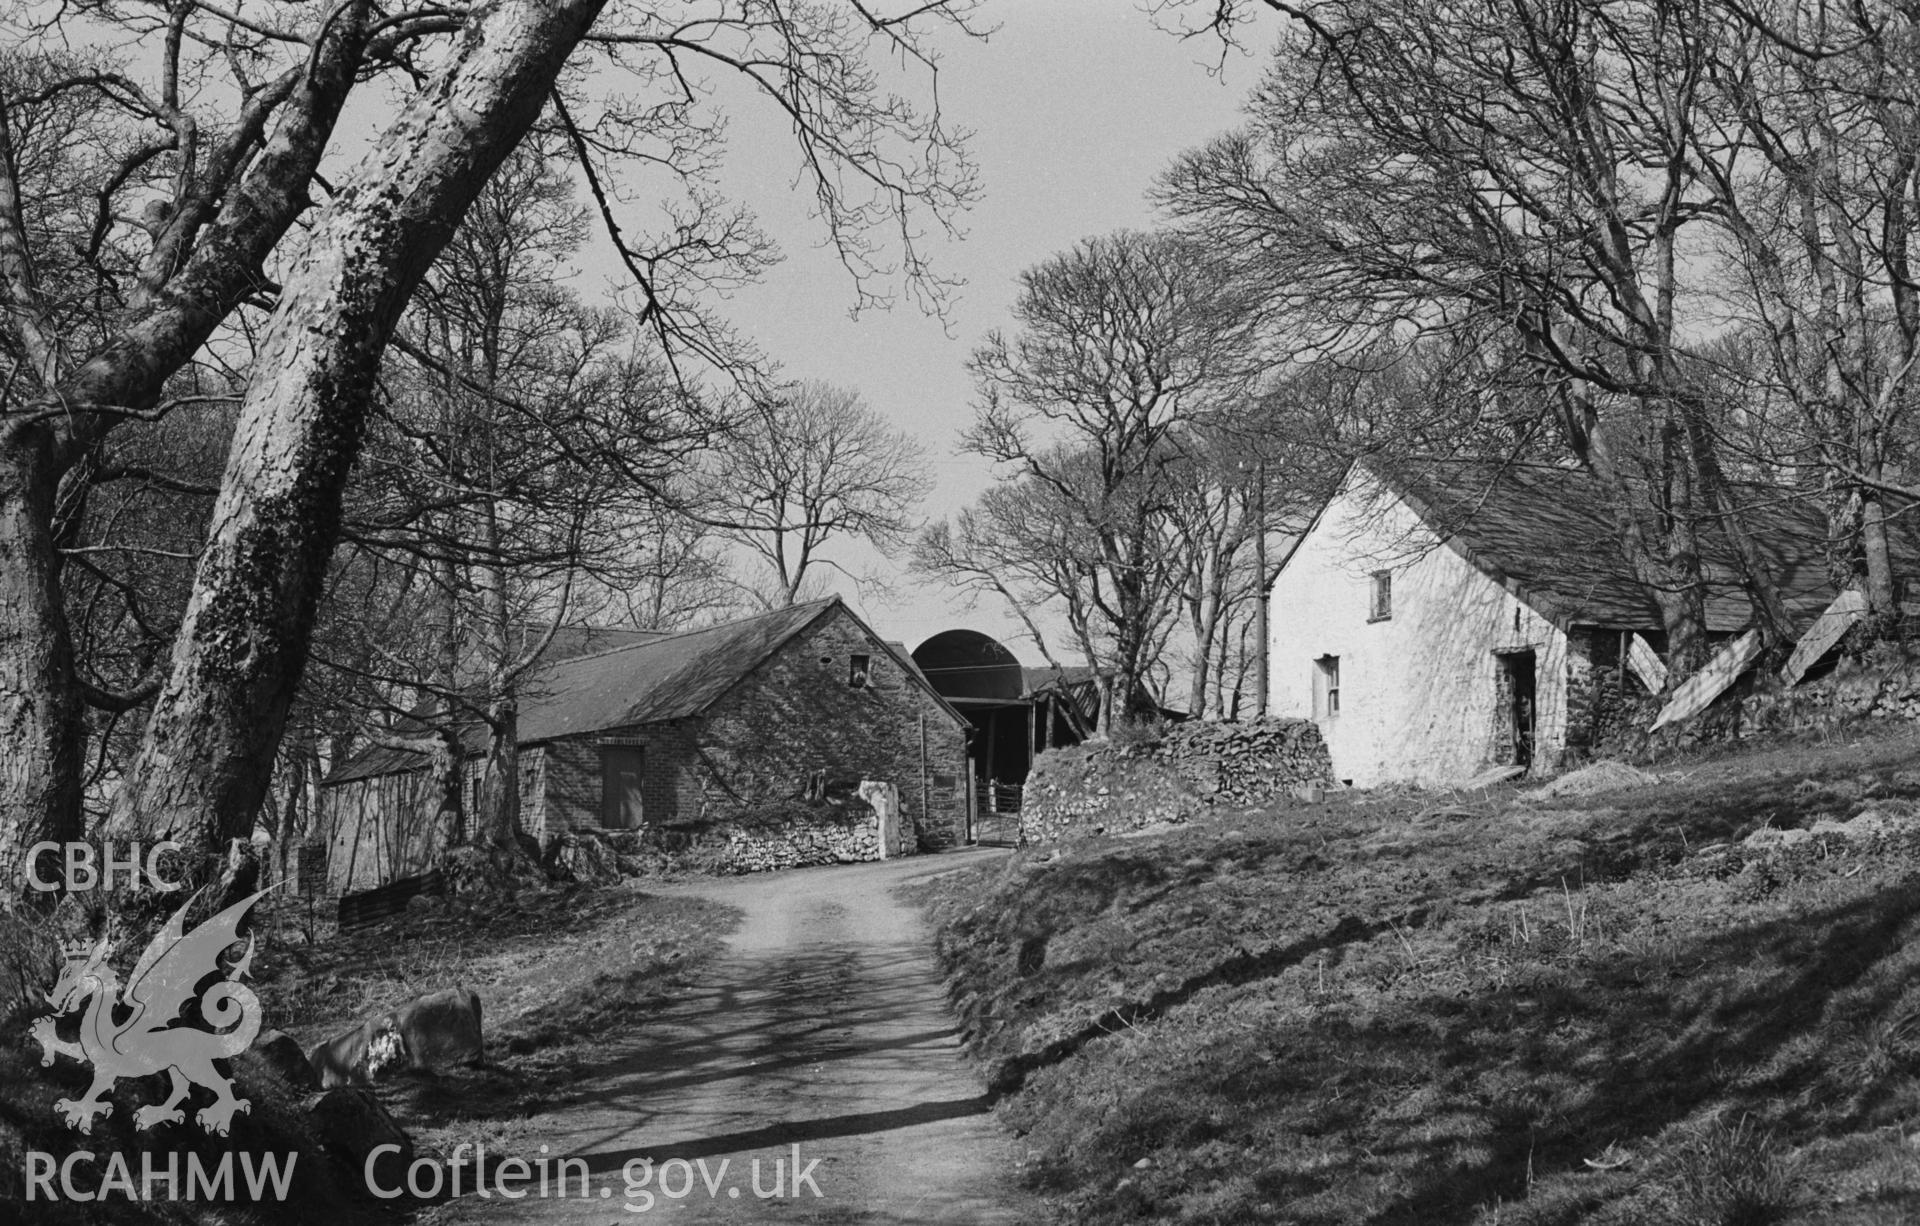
(1418, 1008)
(555, 972)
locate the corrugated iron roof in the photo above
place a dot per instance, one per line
(374, 761)
(1546, 534)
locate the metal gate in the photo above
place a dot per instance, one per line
(996, 819)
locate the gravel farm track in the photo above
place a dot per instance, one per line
(822, 1026)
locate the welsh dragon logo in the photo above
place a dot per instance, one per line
(146, 1040)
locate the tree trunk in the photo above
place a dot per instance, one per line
(1764, 593)
(1203, 630)
(1678, 581)
(500, 800)
(1882, 596)
(1674, 579)
(40, 702)
(1672, 576)
(500, 783)
(40, 708)
(243, 642)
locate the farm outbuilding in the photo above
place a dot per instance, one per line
(1441, 618)
(752, 739)
(1016, 712)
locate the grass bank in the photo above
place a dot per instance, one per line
(555, 970)
(1406, 1007)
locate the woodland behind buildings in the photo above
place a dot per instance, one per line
(300, 449)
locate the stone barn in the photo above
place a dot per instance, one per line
(749, 740)
(1442, 618)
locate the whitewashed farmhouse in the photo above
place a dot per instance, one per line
(1440, 618)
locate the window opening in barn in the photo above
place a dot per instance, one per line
(1326, 687)
(620, 775)
(860, 672)
(1382, 606)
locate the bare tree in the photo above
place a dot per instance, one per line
(1239, 479)
(1812, 154)
(674, 575)
(94, 333)
(232, 185)
(519, 447)
(1029, 544)
(1124, 343)
(1414, 167)
(795, 474)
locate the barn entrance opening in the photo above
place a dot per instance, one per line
(1517, 708)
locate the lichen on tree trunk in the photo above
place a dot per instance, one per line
(205, 760)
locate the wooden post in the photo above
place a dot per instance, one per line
(1030, 718)
(971, 799)
(359, 827)
(993, 736)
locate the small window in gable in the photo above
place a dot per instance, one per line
(1381, 607)
(860, 672)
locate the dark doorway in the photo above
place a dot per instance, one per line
(1518, 709)
(621, 771)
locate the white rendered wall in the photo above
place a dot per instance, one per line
(1417, 690)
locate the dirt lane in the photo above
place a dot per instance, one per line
(822, 1027)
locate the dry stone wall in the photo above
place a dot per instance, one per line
(780, 836)
(1106, 788)
(1852, 691)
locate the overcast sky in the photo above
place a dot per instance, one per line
(1075, 106)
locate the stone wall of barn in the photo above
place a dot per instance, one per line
(768, 777)
(569, 796)
(1606, 703)
(796, 726)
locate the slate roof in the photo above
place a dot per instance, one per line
(567, 642)
(571, 641)
(662, 677)
(1545, 534)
